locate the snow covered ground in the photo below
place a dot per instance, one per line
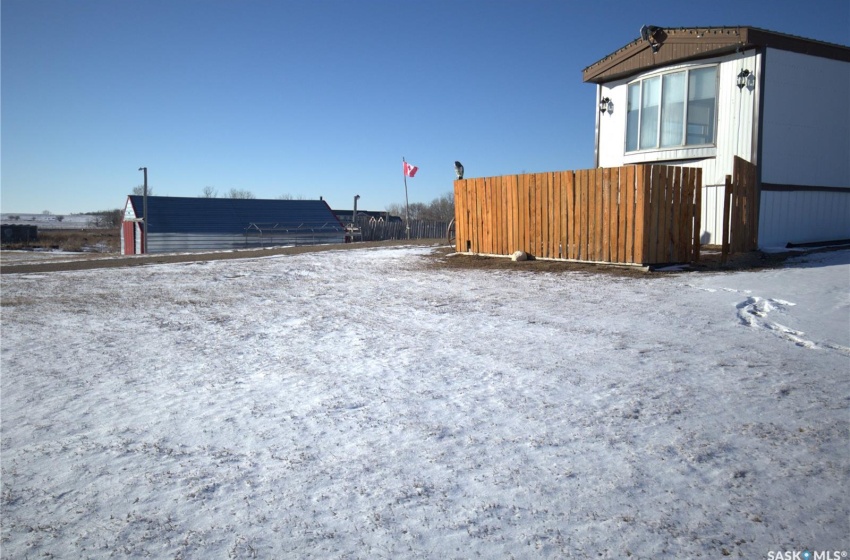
(358, 404)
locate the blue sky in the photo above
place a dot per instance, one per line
(316, 98)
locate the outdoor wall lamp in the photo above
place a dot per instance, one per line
(746, 78)
(605, 105)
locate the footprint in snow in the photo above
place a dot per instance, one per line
(754, 311)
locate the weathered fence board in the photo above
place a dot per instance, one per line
(646, 214)
(744, 208)
(626, 240)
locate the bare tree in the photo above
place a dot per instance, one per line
(240, 193)
(114, 217)
(209, 192)
(139, 190)
(418, 210)
(106, 218)
(395, 209)
(440, 209)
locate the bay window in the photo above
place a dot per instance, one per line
(672, 110)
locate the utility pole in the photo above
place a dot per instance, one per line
(406, 202)
(145, 213)
(354, 218)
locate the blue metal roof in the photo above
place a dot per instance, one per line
(233, 215)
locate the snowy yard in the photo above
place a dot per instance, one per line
(357, 404)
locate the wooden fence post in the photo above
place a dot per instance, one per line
(696, 175)
(641, 239)
(727, 203)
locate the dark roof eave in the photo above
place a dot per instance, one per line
(604, 77)
(687, 44)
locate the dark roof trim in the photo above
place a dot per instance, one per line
(803, 188)
(694, 43)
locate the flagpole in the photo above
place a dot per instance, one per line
(406, 202)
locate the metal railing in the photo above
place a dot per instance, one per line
(267, 234)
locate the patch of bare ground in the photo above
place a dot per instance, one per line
(710, 261)
(443, 257)
(73, 240)
(446, 258)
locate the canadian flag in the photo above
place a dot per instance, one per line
(410, 170)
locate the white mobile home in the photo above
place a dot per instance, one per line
(701, 96)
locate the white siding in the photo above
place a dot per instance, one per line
(803, 217)
(806, 142)
(711, 217)
(736, 118)
(612, 126)
(129, 211)
(784, 216)
(806, 119)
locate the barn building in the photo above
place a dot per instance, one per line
(698, 97)
(179, 224)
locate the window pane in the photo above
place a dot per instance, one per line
(672, 109)
(702, 87)
(632, 118)
(650, 99)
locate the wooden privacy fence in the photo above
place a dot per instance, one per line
(740, 205)
(641, 214)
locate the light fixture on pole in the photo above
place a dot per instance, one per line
(145, 212)
(354, 214)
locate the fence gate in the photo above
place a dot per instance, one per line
(740, 210)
